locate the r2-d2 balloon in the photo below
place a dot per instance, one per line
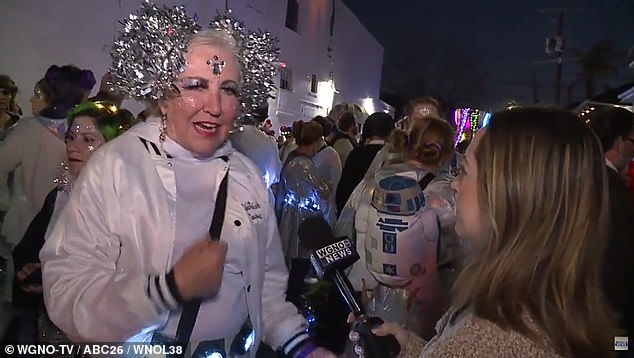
(402, 234)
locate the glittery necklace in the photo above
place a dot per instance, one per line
(64, 180)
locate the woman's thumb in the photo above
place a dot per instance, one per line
(382, 330)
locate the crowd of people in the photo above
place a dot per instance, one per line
(184, 223)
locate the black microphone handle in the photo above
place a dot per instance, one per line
(347, 292)
(376, 347)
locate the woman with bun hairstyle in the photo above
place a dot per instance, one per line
(393, 206)
(302, 193)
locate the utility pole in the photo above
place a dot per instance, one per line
(556, 45)
(560, 51)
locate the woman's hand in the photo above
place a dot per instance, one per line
(29, 269)
(401, 334)
(198, 273)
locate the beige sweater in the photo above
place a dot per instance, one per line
(35, 153)
(474, 337)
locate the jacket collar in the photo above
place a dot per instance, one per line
(149, 132)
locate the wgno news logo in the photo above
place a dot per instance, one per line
(620, 343)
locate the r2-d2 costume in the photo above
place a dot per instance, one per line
(397, 238)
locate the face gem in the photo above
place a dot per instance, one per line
(216, 65)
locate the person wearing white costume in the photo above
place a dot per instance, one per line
(258, 146)
(126, 266)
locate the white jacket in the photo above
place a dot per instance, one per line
(116, 235)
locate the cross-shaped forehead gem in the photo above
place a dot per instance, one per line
(216, 65)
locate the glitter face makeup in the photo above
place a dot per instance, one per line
(82, 139)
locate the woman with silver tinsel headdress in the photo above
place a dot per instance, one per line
(144, 263)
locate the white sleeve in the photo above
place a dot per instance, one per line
(345, 225)
(333, 162)
(282, 323)
(86, 294)
(11, 151)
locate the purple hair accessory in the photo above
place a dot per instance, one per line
(87, 80)
(52, 72)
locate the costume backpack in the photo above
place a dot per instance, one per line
(402, 234)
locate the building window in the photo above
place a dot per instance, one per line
(292, 12)
(286, 79)
(314, 84)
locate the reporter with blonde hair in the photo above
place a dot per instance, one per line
(532, 202)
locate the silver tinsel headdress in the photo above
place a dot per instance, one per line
(148, 55)
(258, 57)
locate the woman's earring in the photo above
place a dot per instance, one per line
(236, 128)
(163, 128)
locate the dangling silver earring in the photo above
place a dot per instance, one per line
(236, 128)
(163, 128)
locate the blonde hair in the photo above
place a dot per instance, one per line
(429, 141)
(543, 193)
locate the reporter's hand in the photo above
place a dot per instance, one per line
(386, 328)
(27, 270)
(392, 328)
(198, 273)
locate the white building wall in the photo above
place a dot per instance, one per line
(37, 33)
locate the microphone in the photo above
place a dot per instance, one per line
(329, 257)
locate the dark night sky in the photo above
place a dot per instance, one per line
(485, 51)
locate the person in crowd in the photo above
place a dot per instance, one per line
(302, 193)
(8, 118)
(326, 158)
(418, 109)
(344, 139)
(258, 146)
(126, 267)
(376, 129)
(32, 151)
(42, 94)
(289, 144)
(399, 275)
(425, 106)
(615, 128)
(91, 124)
(532, 199)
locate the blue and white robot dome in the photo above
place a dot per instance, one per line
(398, 195)
(402, 234)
